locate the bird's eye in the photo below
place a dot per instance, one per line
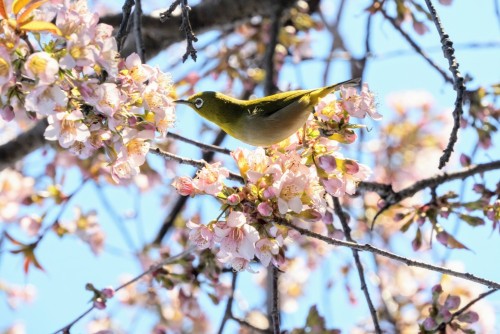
(198, 103)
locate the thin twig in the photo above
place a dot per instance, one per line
(139, 42)
(458, 83)
(205, 147)
(275, 312)
(229, 305)
(407, 261)
(151, 269)
(359, 265)
(268, 61)
(415, 46)
(191, 162)
(122, 32)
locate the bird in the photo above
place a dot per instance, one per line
(264, 121)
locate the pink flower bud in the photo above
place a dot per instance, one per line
(351, 167)
(99, 304)
(265, 209)
(328, 163)
(7, 113)
(465, 160)
(444, 212)
(420, 28)
(108, 292)
(437, 289)
(478, 188)
(233, 199)
(445, 315)
(269, 192)
(184, 186)
(452, 302)
(442, 237)
(469, 317)
(429, 324)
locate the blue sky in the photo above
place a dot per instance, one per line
(70, 264)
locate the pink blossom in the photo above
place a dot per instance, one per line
(334, 186)
(31, 224)
(123, 169)
(185, 186)
(201, 235)
(265, 249)
(290, 187)
(210, 179)
(137, 149)
(67, 127)
(41, 66)
(236, 237)
(138, 71)
(45, 99)
(5, 66)
(107, 98)
(359, 105)
(445, 2)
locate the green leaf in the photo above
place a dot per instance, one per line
(471, 220)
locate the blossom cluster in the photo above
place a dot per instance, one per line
(441, 317)
(70, 72)
(288, 181)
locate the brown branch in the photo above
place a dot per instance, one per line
(275, 310)
(228, 313)
(22, 145)
(122, 32)
(390, 255)
(139, 42)
(458, 84)
(357, 261)
(392, 197)
(205, 147)
(203, 17)
(268, 61)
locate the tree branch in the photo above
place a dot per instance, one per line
(203, 17)
(405, 260)
(22, 145)
(458, 84)
(359, 266)
(392, 197)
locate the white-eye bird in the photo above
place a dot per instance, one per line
(264, 121)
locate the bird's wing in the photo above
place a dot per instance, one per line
(267, 107)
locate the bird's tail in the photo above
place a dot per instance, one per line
(320, 93)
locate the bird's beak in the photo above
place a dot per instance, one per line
(182, 102)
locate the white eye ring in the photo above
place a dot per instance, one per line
(198, 103)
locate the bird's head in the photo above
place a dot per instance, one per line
(201, 102)
(215, 107)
